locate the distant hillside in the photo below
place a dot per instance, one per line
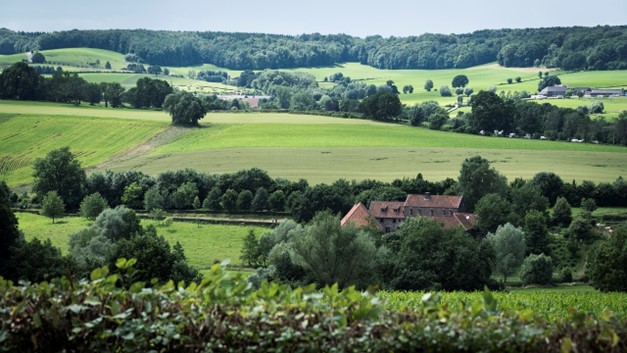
(571, 48)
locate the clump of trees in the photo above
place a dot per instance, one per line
(607, 262)
(421, 255)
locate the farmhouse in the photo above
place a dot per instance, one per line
(554, 91)
(388, 215)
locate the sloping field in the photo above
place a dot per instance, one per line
(128, 81)
(26, 137)
(319, 149)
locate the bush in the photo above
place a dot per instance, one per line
(596, 107)
(537, 269)
(224, 314)
(445, 91)
(566, 275)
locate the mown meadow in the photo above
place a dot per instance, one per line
(319, 149)
(204, 244)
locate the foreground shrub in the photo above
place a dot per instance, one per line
(223, 313)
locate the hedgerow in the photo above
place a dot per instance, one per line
(110, 313)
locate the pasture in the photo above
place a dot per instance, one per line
(84, 58)
(319, 149)
(204, 244)
(613, 107)
(128, 80)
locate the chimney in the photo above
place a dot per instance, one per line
(427, 195)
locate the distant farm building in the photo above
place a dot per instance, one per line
(387, 216)
(253, 101)
(617, 92)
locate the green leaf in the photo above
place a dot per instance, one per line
(36, 320)
(567, 345)
(489, 300)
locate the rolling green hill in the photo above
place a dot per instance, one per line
(481, 77)
(319, 149)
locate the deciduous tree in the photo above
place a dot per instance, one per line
(428, 85)
(9, 233)
(20, 81)
(460, 81)
(52, 205)
(60, 171)
(607, 262)
(330, 253)
(433, 258)
(492, 211)
(184, 108)
(537, 269)
(490, 112)
(562, 213)
(92, 205)
(509, 247)
(477, 179)
(250, 250)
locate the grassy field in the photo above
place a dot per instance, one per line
(85, 58)
(93, 140)
(612, 106)
(603, 211)
(203, 245)
(128, 80)
(320, 149)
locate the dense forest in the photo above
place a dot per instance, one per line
(571, 48)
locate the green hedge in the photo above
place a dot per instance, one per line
(223, 314)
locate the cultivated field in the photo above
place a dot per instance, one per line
(26, 137)
(551, 304)
(319, 149)
(204, 244)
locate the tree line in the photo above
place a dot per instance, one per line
(570, 48)
(515, 228)
(254, 190)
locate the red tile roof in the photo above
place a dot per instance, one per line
(357, 216)
(465, 220)
(387, 209)
(433, 201)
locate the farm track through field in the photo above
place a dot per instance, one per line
(168, 135)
